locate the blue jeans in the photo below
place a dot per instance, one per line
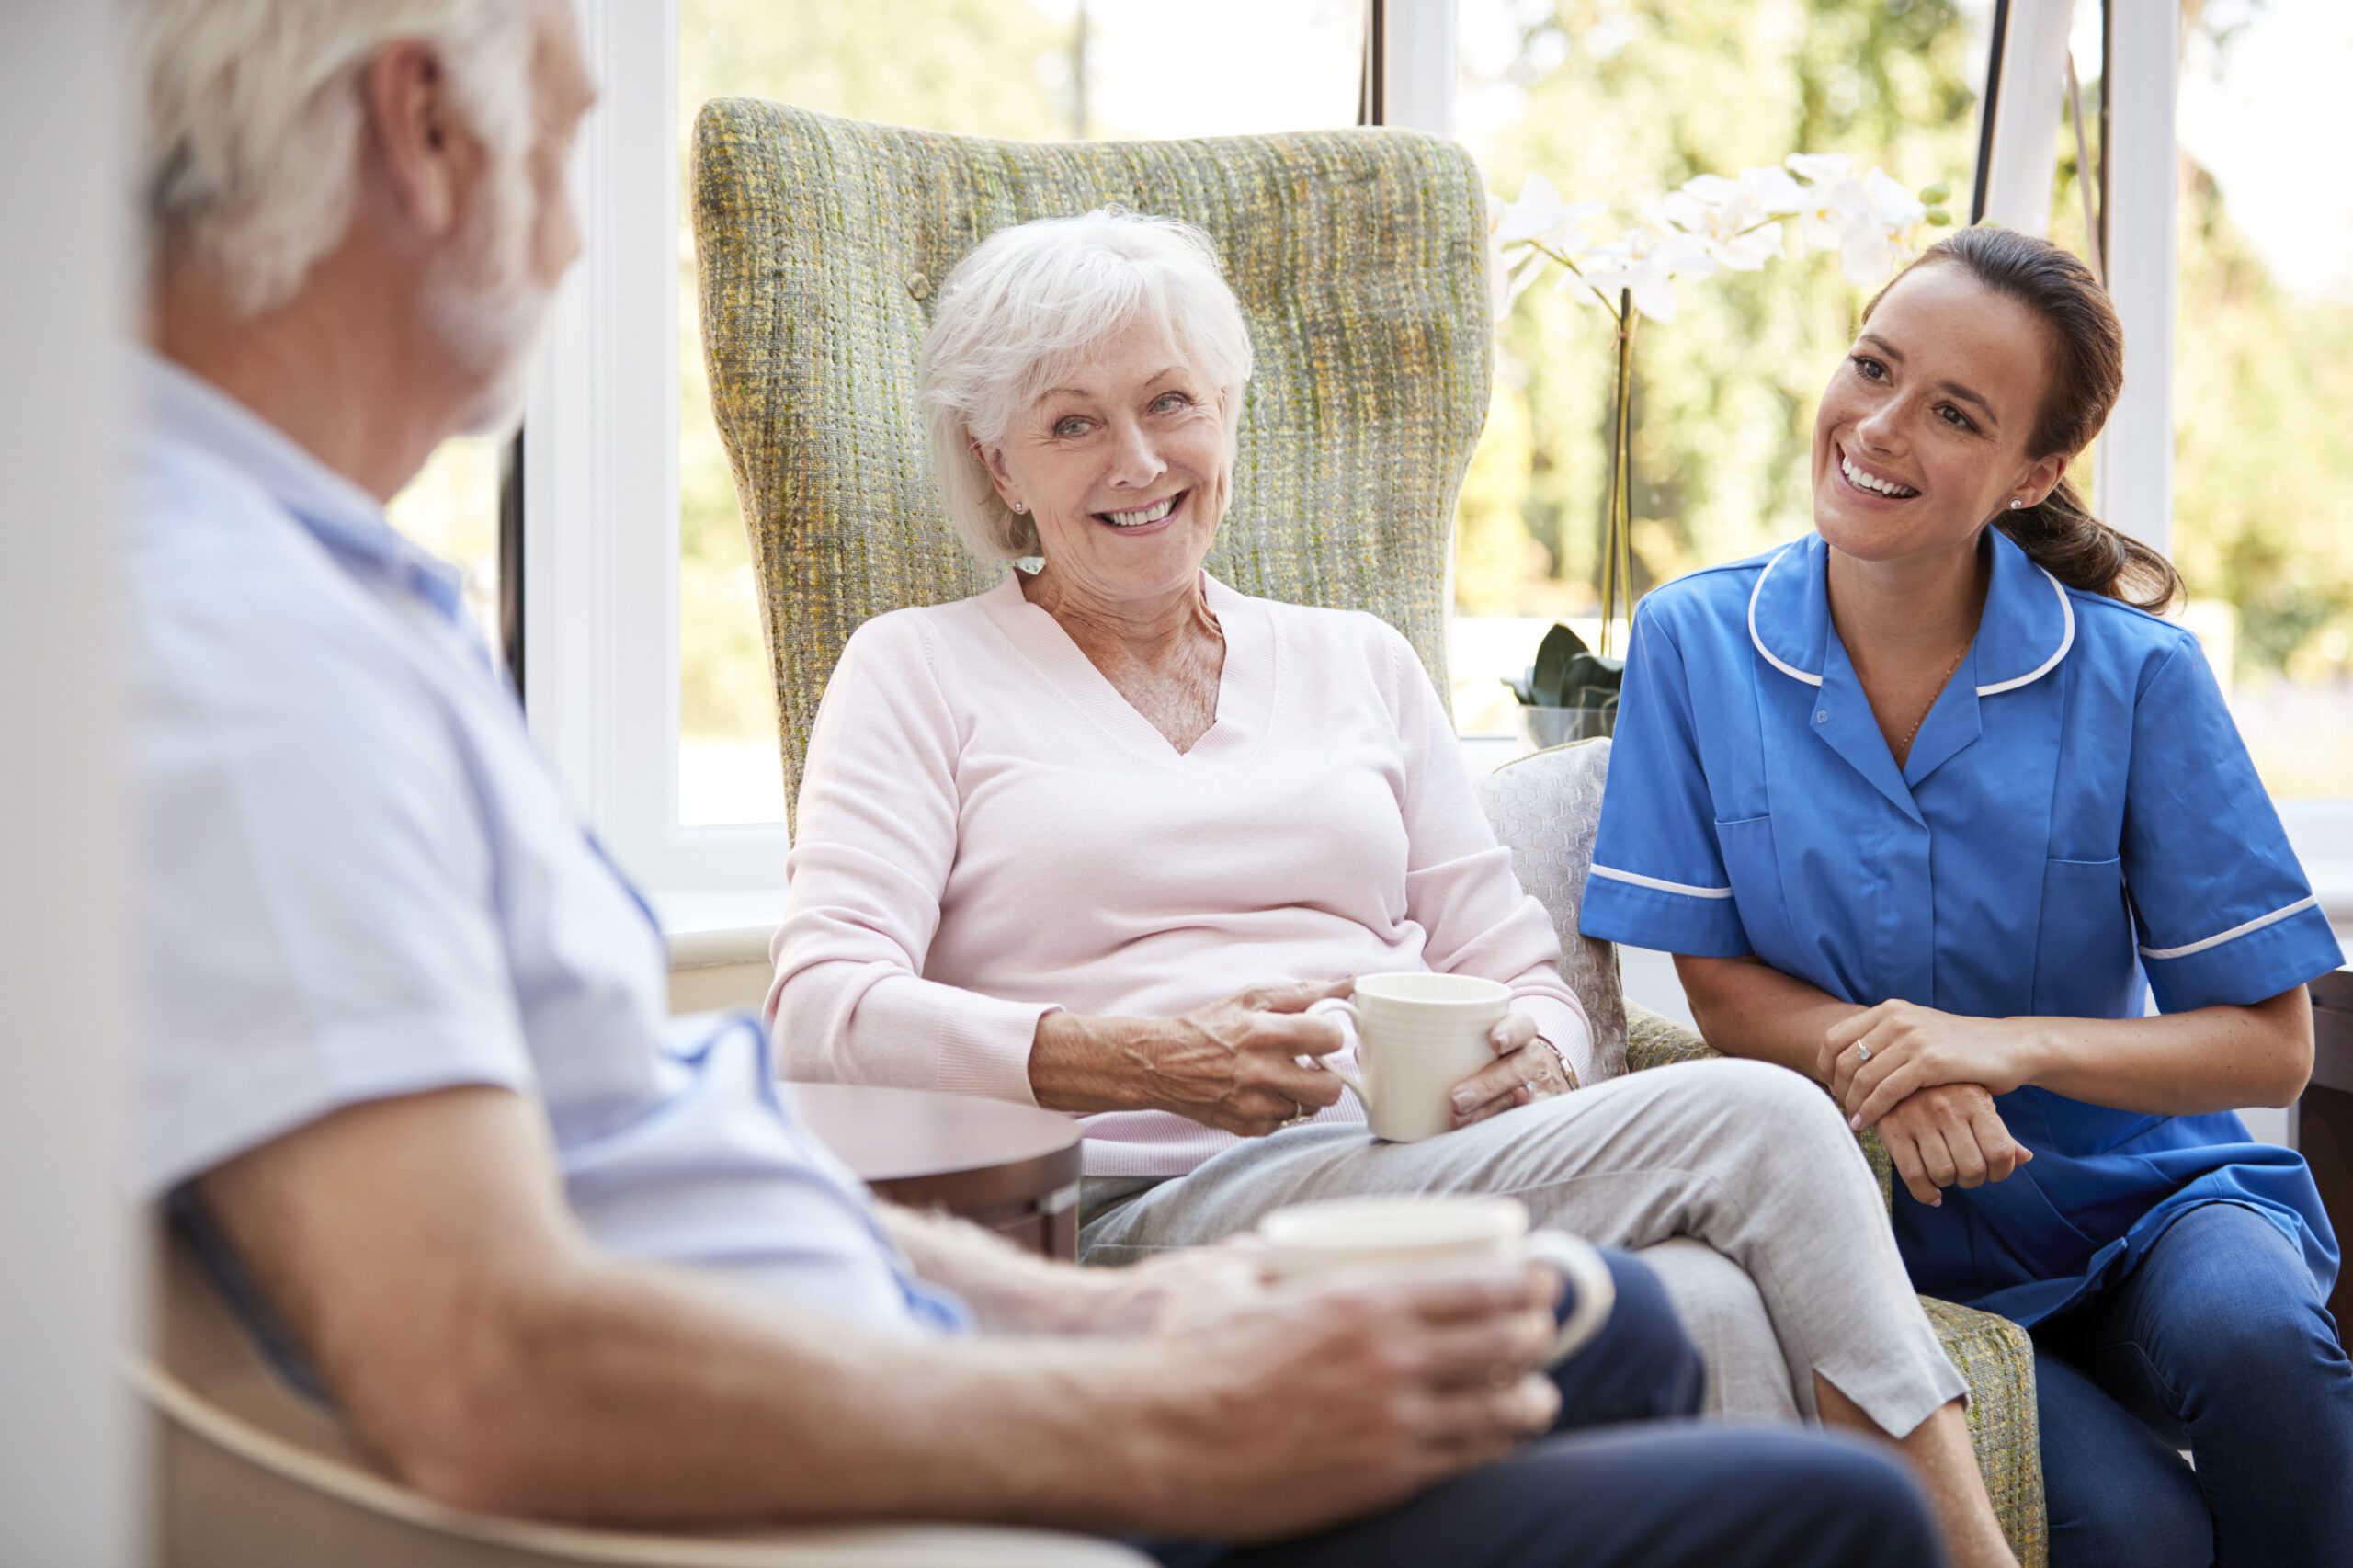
(1603, 1492)
(2217, 1343)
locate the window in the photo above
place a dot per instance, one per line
(2263, 357)
(1620, 101)
(648, 683)
(1037, 70)
(451, 508)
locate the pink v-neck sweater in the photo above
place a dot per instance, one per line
(988, 831)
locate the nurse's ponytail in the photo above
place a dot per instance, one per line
(2060, 534)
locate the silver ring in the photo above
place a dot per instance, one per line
(1299, 1114)
(1862, 1053)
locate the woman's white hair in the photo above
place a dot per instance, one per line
(250, 113)
(1032, 301)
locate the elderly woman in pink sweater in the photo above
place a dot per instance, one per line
(1095, 838)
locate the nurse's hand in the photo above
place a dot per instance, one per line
(1883, 1054)
(1949, 1136)
(1525, 1069)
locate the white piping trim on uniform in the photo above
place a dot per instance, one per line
(2065, 643)
(2257, 924)
(1790, 670)
(1639, 880)
(2066, 639)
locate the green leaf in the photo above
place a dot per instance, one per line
(1548, 677)
(1936, 195)
(1939, 217)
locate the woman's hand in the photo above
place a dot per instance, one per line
(1234, 1065)
(1883, 1054)
(1525, 1069)
(1949, 1136)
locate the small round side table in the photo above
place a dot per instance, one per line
(1012, 1168)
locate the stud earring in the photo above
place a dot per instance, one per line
(1020, 506)
(2016, 504)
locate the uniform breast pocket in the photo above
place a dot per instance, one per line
(2083, 966)
(1754, 872)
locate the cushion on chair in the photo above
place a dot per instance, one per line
(1545, 809)
(1359, 257)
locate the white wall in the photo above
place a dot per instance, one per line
(66, 1481)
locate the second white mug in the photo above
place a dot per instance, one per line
(1418, 1034)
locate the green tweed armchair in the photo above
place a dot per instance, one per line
(1359, 257)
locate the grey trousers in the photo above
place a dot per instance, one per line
(1738, 1181)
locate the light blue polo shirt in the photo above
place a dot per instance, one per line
(2078, 824)
(360, 880)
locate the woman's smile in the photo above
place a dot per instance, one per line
(1150, 519)
(1868, 484)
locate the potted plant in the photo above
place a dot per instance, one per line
(1815, 203)
(1570, 693)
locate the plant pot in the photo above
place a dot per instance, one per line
(1545, 727)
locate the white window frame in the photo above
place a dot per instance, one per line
(600, 483)
(601, 449)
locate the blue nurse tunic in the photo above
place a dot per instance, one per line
(2077, 818)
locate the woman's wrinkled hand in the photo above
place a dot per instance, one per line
(1950, 1135)
(1883, 1055)
(1234, 1065)
(1526, 1069)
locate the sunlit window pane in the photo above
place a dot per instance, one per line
(1035, 70)
(1620, 101)
(2262, 352)
(451, 508)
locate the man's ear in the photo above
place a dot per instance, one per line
(427, 156)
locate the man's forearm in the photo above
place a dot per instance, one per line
(1007, 1288)
(638, 1392)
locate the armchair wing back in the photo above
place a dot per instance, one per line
(1360, 260)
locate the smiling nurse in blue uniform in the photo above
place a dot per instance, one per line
(1921, 803)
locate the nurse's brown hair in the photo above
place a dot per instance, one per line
(2060, 534)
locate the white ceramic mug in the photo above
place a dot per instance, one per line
(1356, 1238)
(1418, 1034)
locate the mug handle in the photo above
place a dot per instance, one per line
(1589, 1276)
(1324, 1064)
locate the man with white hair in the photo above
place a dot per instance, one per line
(411, 1091)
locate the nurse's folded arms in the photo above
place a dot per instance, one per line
(1924, 804)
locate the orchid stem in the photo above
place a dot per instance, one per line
(1617, 545)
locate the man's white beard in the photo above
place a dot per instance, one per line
(486, 306)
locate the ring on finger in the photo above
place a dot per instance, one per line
(1862, 1053)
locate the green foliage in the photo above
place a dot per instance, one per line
(1567, 673)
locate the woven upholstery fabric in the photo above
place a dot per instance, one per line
(1993, 1353)
(1997, 1359)
(1545, 808)
(1359, 257)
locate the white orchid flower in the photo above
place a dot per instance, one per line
(1773, 190)
(1540, 217)
(1725, 217)
(1880, 227)
(1644, 265)
(1821, 168)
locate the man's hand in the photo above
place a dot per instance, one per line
(1298, 1410)
(1949, 1136)
(1882, 1054)
(1525, 1069)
